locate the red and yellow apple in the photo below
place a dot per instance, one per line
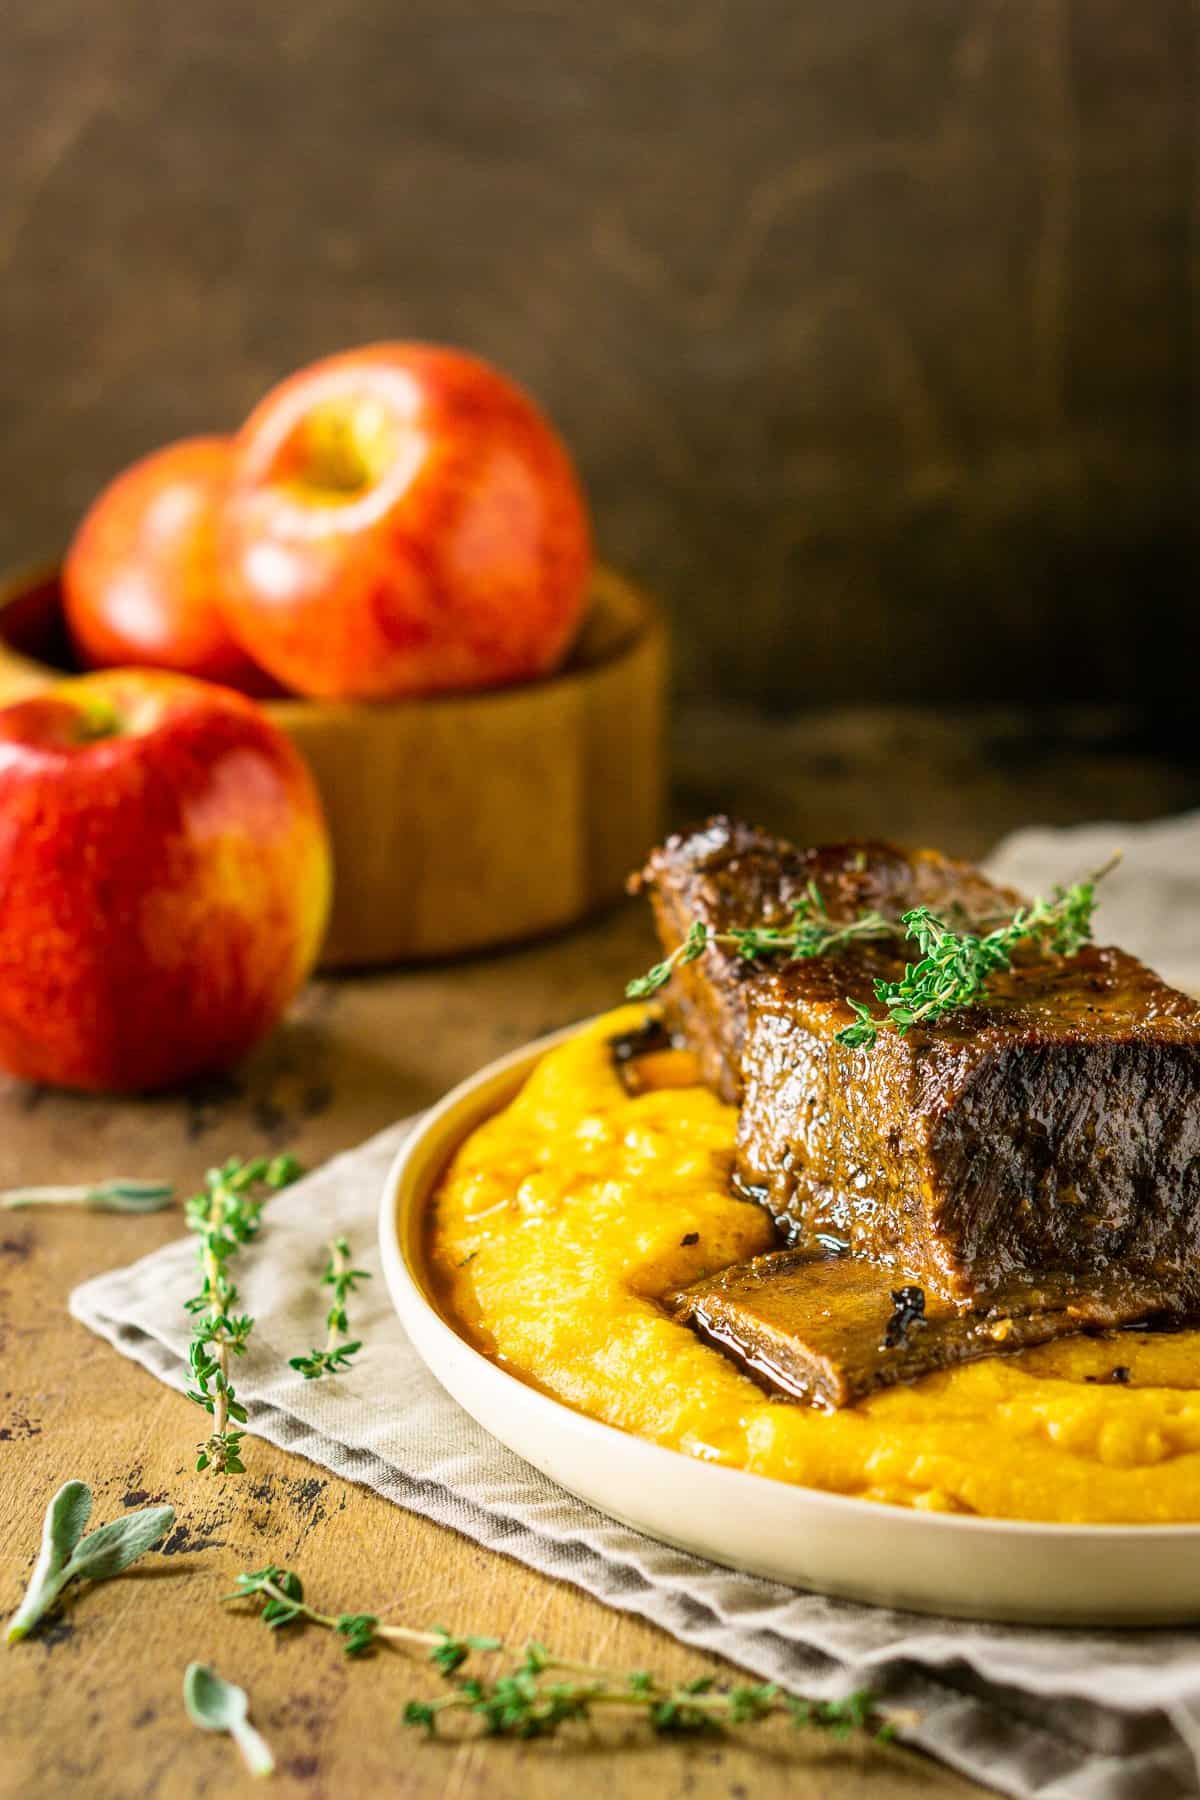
(164, 880)
(402, 520)
(140, 580)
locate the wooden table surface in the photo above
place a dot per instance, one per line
(93, 1705)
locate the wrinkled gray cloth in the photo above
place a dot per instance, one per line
(1150, 903)
(1060, 1715)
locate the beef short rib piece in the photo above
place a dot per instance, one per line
(1051, 1130)
(830, 1330)
(730, 874)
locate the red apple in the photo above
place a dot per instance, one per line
(402, 520)
(140, 581)
(164, 880)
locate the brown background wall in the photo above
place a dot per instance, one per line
(873, 324)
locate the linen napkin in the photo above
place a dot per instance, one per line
(1149, 904)
(1039, 1714)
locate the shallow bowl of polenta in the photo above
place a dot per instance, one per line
(530, 1229)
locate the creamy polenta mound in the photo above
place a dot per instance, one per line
(561, 1223)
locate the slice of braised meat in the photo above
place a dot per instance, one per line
(830, 1330)
(1031, 1164)
(1056, 1127)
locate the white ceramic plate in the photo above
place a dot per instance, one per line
(930, 1562)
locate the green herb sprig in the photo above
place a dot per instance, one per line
(545, 1691)
(284, 1604)
(542, 1691)
(810, 933)
(953, 969)
(337, 1351)
(66, 1555)
(216, 1705)
(225, 1216)
(117, 1196)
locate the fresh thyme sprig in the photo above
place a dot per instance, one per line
(811, 932)
(956, 966)
(524, 1704)
(283, 1593)
(117, 1196)
(336, 1353)
(225, 1215)
(543, 1691)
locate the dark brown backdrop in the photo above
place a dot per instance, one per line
(873, 324)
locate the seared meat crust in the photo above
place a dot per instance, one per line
(1052, 1130)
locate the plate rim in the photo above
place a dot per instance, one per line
(407, 1291)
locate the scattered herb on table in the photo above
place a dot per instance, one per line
(216, 1705)
(282, 1592)
(953, 969)
(338, 1349)
(543, 1691)
(118, 1196)
(225, 1216)
(66, 1555)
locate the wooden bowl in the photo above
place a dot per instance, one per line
(468, 820)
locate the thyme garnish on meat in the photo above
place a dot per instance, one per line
(955, 966)
(541, 1691)
(336, 1352)
(225, 1216)
(953, 969)
(811, 932)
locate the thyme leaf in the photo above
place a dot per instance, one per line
(225, 1217)
(539, 1691)
(810, 933)
(336, 1352)
(953, 967)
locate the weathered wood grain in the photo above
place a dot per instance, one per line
(874, 326)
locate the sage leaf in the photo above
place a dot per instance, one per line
(119, 1196)
(107, 1551)
(216, 1705)
(66, 1517)
(64, 1558)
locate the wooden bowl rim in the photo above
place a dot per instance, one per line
(606, 584)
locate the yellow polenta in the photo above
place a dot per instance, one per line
(562, 1221)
